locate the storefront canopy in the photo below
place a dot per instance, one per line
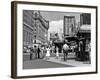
(69, 38)
(85, 27)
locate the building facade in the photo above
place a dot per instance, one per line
(84, 35)
(28, 27)
(69, 25)
(35, 28)
(85, 19)
(41, 29)
(85, 26)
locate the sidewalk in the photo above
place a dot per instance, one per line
(71, 62)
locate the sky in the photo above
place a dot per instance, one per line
(56, 19)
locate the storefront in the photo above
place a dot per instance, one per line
(59, 44)
(84, 36)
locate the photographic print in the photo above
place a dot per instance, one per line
(53, 39)
(44, 39)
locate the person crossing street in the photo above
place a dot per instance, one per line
(65, 51)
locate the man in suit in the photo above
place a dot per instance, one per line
(38, 52)
(35, 52)
(31, 53)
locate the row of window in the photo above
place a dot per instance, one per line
(27, 17)
(35, 29)
(27, 37)
(42, 32)
(85, 18)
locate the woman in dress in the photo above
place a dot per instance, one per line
(57, 52)
(48, 53)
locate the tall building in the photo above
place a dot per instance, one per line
(85, 19)
(41, 28)
(84, 34)
(85, 26)
(69, 25)
(35, 28)
(28, 27)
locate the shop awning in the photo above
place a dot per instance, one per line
(69, 38)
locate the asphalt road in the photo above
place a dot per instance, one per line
(40, 63)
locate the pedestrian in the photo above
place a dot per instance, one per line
(89, 47)
(88, 51)
(38, 51)
(43, 52)
(31, 53)
(65, 51)
(48, 53)
(57, 52)
(51, 51)
(76, 51)
(82, 58)
(35, 52)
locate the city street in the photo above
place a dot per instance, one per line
(52, 62)
(56, 37)
(40, 63)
